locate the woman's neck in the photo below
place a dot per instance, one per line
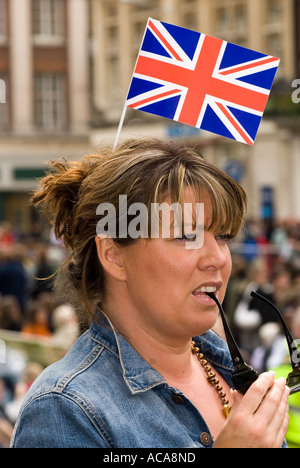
(170, 356)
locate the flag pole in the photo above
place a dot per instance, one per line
(120, 126)
(125, 106)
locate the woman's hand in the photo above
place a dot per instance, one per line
(260, 418)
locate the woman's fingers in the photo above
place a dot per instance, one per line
(257, 392)
(281, 419)
(260, 418)
(272, 400)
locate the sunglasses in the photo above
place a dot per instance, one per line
(244, 375)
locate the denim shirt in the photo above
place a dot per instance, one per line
(104, 394)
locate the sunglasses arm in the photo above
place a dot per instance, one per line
(293, 348)
(293, 379)
(244, 375)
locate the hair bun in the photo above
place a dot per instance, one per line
(59, 193)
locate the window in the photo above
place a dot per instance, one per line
(274, 11)
(190, 21)
(110, 9)
(48, 18)
(240, 18)
(138, 33)
(188, 14)
(274, 45)
(274, 33)
(223, 20)
(114, 86)
(50, 101)
(231, 22)
(112, 40)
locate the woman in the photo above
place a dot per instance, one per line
(131, 379)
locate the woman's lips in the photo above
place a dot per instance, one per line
(201, 296)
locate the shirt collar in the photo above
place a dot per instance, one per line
(137, 373)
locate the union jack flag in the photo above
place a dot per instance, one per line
(201, 81)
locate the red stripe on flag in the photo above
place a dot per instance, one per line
(199, 80)
(153, 98)
(250, 65)
(164, 41)
(233, 122)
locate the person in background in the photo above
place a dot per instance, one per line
(250, 314)
(272, 348)
(29, 374)
(293, 432)
(65, 326)
(43, 282)
(13, 279)
(37, 320)
(10, 313)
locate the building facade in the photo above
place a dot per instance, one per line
(44, 63)
(269, 171)
(67, 65)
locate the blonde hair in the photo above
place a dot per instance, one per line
(146, 171)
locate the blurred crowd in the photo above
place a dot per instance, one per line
(29, 310)
(266, 258)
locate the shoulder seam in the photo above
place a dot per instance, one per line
(89, 360)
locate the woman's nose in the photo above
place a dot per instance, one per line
(213, 255)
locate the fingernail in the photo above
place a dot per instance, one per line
(282, 380)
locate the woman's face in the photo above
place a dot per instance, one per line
(166, 282)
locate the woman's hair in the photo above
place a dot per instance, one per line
(145, 171)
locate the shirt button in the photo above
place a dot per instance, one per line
(177, 399)
(205, 439)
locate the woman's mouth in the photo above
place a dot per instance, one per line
(201, 296)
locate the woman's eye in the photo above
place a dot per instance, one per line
(223, 238)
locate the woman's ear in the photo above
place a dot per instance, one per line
(109, 256)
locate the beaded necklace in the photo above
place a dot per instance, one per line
(211, 376)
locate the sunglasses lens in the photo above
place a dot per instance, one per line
(293, 381)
